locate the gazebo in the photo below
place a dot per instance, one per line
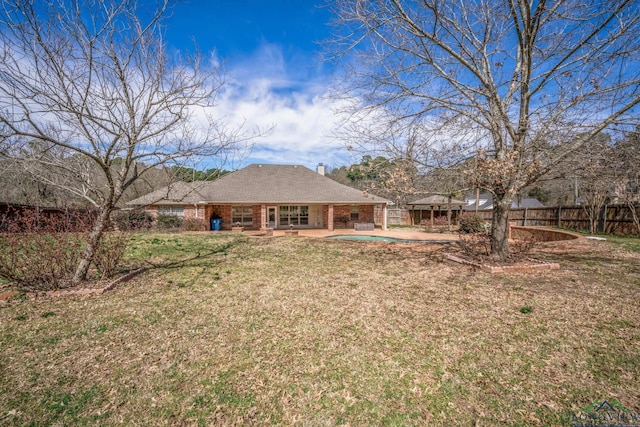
(431, 207)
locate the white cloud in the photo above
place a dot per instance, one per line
(267, 92)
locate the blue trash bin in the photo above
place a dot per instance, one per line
(216, 224)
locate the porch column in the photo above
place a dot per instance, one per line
(432, 215)
(263, 217)
(384, 217)
(330, 218)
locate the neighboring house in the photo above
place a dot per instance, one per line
(485, 202)
(268, 196)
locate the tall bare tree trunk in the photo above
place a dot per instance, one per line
(94, 240)
(500, 229)
(633, 208)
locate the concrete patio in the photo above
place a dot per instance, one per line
(398, 233)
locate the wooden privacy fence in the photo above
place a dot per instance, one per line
(614, 219)
(395, 216)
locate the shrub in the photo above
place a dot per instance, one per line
(134, 220)
(168, 222)
(439, 223)
(110, 252)
(476, 246)
(473, 223)
(520, 248)
(194, 224)
(440, 220)
(41, 251)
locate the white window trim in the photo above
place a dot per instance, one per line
(171, 210)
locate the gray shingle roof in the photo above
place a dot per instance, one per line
(527, 203)
(436, 200)
(486, 202)
(277, 184)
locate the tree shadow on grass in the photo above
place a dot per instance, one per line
(195, 260)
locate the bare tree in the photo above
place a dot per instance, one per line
(396, 180)
(89, 94)
(627, 154)
(594, 168)
(512, 82)
(17, 187)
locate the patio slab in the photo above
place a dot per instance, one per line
(405, 234)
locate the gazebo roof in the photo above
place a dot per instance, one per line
(436, 201)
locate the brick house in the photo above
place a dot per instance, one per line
(268, 196)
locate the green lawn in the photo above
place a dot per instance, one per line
(630, 243)
(231, 330)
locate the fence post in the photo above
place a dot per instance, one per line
(559, 217)
(524, 220)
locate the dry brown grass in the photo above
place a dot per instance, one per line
(294, 331)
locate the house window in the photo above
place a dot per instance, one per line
(242, 215)
(355, 213)
(294, 215)
(171, 210)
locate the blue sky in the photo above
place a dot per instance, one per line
(271, 51)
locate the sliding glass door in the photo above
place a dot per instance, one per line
(293, 215)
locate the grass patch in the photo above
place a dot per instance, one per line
(526, 309)
(229, 330)
(629, 243)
